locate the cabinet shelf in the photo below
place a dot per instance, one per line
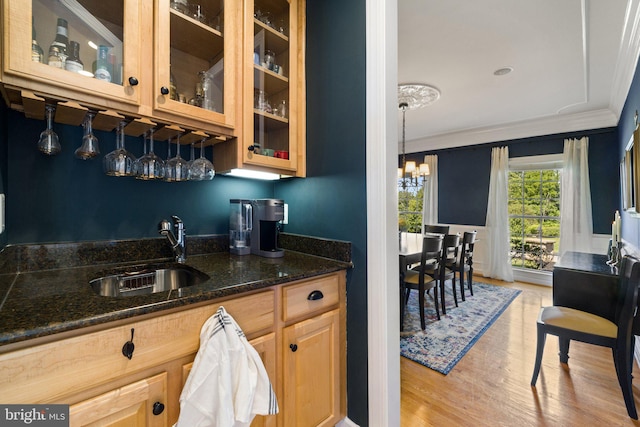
(190, 35)
(273, 83)
(269, 121)
(275, 40)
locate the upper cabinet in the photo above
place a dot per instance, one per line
(166, 60)
(196, 65)
(229, 68)
(273, 129)
(40, 36)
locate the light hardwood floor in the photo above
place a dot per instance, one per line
(490, 385)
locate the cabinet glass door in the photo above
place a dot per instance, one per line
(272, 70)
(78, 45)
(193, 71)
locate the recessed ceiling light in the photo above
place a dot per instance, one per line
(502, 71)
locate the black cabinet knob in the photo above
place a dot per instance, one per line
(128, 347)
(158, 408)
(164, 90)
(251, 148)
(133, 81)
(293, 347)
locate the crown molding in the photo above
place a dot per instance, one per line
(628, 53)
(537, 127)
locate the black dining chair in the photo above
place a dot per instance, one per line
(572, 324)
(420, 279)
(437, 229)
(465, 261)
(450, 250)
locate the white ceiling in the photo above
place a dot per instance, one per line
(573, 62)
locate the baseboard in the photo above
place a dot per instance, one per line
(346, 422)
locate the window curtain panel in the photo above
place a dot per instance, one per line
(576, 224)
(497, 224)
(430, 192)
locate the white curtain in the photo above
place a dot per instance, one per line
(497, 223)
(576, 225)
(430, 192)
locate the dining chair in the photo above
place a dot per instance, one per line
(571, 324)
(437, 229)
(419, 278)
(465, 261)
(450, 251)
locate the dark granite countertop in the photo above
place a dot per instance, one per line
(41, 302)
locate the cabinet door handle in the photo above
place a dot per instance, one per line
(293, 347)
(251, 148)
(133, 81)
(164, 90)
(158, 408)
(128, 347)
(315, 295)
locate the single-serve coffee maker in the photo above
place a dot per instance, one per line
(264, 233)
(240, 225)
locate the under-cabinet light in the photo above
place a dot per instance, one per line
(243, 173)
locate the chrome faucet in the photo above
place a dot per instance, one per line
(177, 240)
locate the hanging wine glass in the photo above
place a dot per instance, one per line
(150, 165)
(89, 148)
(137, 166)
(201, 169)
(176, 168)
(119, 162)
(48, 143)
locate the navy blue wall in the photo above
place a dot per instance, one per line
(626, 126)
(331, 201)
(463, 175)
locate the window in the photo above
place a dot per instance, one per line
(534, 217)
(410, 207)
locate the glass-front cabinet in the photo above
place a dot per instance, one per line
(195, 62)
(85, 49)
(164, 59)
(274, 90)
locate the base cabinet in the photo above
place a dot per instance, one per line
(312, 366)
(139, 404)
(89, 372)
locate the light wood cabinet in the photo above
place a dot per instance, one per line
(135, 405)
(147, 43)
(273, 131)
(89, 372)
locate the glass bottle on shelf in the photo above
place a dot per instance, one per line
(37, 54)
(61, 40)
(173, 90)
(102, 64)
(55, 57)
(73, 62)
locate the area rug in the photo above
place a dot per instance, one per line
(444, 342)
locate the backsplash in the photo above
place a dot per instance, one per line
(37, 257)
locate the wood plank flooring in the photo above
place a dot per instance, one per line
(490, 385)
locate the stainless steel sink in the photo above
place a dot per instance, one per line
(146, 279)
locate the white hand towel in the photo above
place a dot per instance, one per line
(228, 384)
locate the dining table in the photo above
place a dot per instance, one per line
(410, 251)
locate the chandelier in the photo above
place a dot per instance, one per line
(412, 96)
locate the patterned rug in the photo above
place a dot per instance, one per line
(443, 343)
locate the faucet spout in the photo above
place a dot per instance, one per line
(176, 240)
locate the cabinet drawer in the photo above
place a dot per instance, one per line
(298, 300)
(51, 371)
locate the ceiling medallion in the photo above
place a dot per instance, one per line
(417, 95)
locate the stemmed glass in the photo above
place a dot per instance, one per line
(48, 143)
(150, 166)
(89, 148)
(119, 162)
(176, 168)
(201, 169)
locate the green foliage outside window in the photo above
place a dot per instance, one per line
(410, 209)
(534, 217)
